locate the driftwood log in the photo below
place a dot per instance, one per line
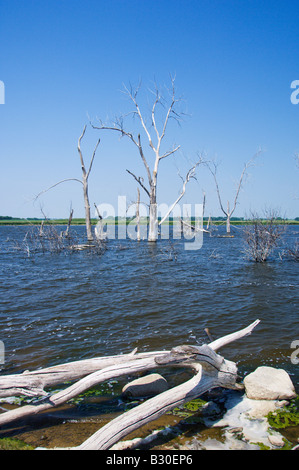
(210, 371)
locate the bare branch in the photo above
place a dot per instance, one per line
(140, 181)
(92, 158)
(154, 137)
(157, 100)
(144, 161)
(190, 174)
(117, 128)
(261, 237)
(97, 211)
(170, 109)
(219, 343)
(213, 171)
(56, 184)
(247, 165)
(214, 174)
(80, 153)
(167, 154)
(133, 98)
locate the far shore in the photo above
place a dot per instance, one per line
(122, 220)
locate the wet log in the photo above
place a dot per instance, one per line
(51, 401)
(33, 383)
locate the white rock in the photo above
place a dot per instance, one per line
(268, 383)
(276, 440)
(247, 415)
(146, 386)
(261, 408)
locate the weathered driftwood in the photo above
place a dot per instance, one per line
(211, 370)
(108, 373)
(32, 383)
(224, 374)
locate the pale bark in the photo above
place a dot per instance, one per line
(120, 427)
(229, 212)
(66, 232)
(190, 174)
(99, 229)
(128, 368)
(153, 223)
(155, 143)
(138, 215)
(228, 216)
(84, 182)
(211, 370)
(33, 383)
(221, 342)
(85, 175)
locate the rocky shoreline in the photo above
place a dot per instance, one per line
(221, 420)
(267, 391)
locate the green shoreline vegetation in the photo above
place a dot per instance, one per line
(7, 220)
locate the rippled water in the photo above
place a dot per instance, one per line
(56, 308)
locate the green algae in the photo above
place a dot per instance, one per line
(285, 417)
(14, 444)
(188, 409)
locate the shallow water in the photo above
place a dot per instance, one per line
(56, 308)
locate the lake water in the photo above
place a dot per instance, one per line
(56, 308)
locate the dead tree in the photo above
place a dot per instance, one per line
(262, 236)
(84, 182)
(210, 371)
(65, 233)
(155, 137)
(85, 176)
(212, 166)
(292, 252)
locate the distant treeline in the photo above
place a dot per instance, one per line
(8, 220)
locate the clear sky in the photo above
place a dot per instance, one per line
(65, 61)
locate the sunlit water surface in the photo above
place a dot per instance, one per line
(56, 308)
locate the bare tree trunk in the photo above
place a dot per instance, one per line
(228, 219)
(66, 232)
(87, 211)
(138, 215)
(84, 182)
(99, 229)
(153, 223)
(155, 137)
(85, 175)
(41, 229)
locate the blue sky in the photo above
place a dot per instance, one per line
(65, 61)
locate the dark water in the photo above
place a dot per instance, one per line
(56, 308)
